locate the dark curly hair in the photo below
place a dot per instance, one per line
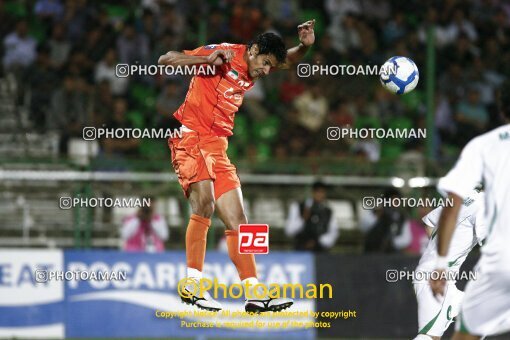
(270, 43)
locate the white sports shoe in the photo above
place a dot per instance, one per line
(203, 301)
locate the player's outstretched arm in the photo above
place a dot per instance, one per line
(306, 39)
(447, 223)
(174, 58)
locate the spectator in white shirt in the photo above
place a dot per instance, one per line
(20, 48)
(105, 70)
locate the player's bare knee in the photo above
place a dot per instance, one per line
(235, 220)
(241, 219)
(204, 208)
(202, 205)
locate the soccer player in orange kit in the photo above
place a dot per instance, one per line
(200, 158)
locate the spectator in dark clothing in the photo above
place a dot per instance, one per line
(41, 79)
(312, 223)
(391, 231)
(69, 112)
(132, 47)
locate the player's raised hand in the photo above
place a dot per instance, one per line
(306, 32)
(220, 57)
(439, 283)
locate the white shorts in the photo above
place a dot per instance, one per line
(434, 317)
(486, 307)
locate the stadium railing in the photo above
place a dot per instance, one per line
(30, 214)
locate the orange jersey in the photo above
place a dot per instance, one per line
(213, 100)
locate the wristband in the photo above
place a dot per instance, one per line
(441, 262)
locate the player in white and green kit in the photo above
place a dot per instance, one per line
(486, 305)
(436, 315)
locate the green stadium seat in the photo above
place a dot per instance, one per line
(144, 96)
(16, 8)
(38, 30)
(233, 151)
(267, 129)
(391, 151)
(399, 123)
(136, 119)
(148, 148)
(273, 96)
(117, 11)
(367, 121)
(263, 152)
(241, 130)
(412, 100)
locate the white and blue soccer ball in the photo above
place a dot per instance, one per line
(399, 75)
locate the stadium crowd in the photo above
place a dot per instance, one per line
(64, 53)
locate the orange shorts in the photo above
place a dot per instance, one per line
(197, 158)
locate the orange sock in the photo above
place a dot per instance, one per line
(245, 263)
(196, 241)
